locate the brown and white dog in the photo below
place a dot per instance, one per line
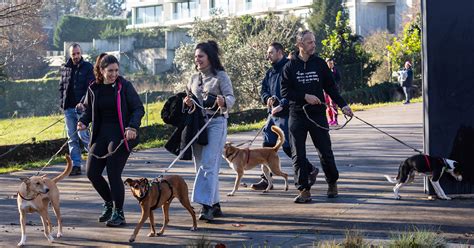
(159, 193)
(434, 167)
(245, 159)
(34, 195)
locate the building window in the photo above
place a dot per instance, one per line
(248, 4)
(150, 14)
(391, 19)
(186, 9)
(212, 4)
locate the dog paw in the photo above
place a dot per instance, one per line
(230, 194)
(160, 233)
(21, 243)
(50, 239)
(59, 235)
(266, 191)
(397, 197)
(131, 240)
(152, 234)
(446, 198)
(193, 228)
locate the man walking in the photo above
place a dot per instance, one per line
(277, 106)
(305, 77)
(76, 75)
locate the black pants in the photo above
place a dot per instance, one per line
(299, 127)
(114, 164)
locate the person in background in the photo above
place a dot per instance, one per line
(76, 75)
(213, 89)
(115, 110)
(331, 110)
(407, 81)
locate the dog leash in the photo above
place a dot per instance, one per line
(325, 128)
(391, 136)
(192, 140)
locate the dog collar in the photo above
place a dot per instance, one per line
(26, 199)
(234, 155)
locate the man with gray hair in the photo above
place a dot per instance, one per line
(76, 75)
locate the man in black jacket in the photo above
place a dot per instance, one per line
(305, 77)
(76, 75)
(277, 105)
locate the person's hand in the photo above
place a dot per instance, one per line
(80, 126)
(270, 102)
(276, 110)
(312, 99)
(130, 133)
(80, 107)
(347, 111)
(220, 101)
(188, 101)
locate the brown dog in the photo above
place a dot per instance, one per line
(34, 195)
(245, 159)
(159, 193)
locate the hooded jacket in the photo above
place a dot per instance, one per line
(310, 77)
(129, 109)
(271, 86)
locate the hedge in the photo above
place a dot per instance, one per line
(83, 29)
(383, 92)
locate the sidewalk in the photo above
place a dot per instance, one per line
(253, 219)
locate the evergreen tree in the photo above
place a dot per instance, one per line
(346, 49)
(323, 16)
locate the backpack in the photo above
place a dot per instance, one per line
(172, 112)
(402, 76)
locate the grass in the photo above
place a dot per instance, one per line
(30, 127)
(416, 237)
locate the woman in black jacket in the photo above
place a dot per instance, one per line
(115, 110)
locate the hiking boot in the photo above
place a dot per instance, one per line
(312, 176)
(206, 213)
(117, 219)
(332, 190)
(107, 212)
(216, 210)
(262, 185)
(76, 171)
(303, 197)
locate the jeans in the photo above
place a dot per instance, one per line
(71, 118)
(207, 161)
(407, 91)
(270, 138)
(299, 128)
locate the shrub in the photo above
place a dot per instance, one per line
(383, 92)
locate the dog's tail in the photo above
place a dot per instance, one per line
(66, 171)
(281, 137)
(390, 179)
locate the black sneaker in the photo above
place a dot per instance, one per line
(216, 210)
(312, 176)
(76, 171)
(332, 190)
(207, 213)
(262, 185)
(117, 219)
(107, 212)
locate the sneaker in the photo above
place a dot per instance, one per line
(216, 210)
(206, 213)
(76, 170)
(303, 197)
(312, 176)
(117, 219)
(262, 185)
(332, 190)
(107, 212)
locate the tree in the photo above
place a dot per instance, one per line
(377, 44)
(356, 65)
(323, 17)
(21, 37)
(407, 47)
(243, 41)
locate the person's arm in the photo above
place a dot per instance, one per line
(61, 88)
(86, 116)
(227, 91)
(265, 91)
(90, 77)
(135, 106)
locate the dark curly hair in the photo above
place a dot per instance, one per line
(211, 49)
(102, 61)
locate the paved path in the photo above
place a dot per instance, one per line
(252, 218)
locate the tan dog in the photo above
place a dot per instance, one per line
(159, 193)
(245, 159)
(34, 195)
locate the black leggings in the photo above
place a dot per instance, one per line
(115, 165)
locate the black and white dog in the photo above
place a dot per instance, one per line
(434, 167)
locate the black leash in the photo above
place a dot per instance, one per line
(391, 136)
(254, 138)
(325, 128)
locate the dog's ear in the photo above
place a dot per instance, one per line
(25, 179)
(128, 182)
(144, 179)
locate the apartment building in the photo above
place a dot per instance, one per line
(166, 13)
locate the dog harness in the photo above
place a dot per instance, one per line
(248, 155)
(428, 162)
(158, 182)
